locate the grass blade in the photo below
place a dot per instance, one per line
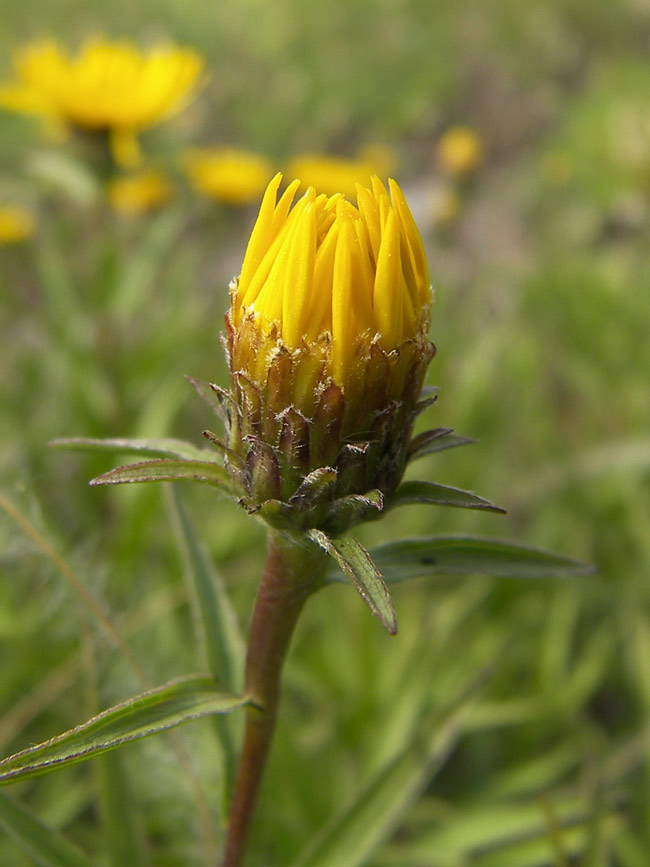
(45, 845)
(351, 837)
(222, 639)
(124, 843)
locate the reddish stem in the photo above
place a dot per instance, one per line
(292, 573)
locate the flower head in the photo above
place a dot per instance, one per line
(139, 192)
(332, 174)
(16, 224)
(460, 151)
(234, 176)
(107, 86)
(328, 346)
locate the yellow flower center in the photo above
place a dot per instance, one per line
(329, 269)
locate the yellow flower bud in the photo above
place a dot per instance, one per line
(138, 193)
(328, 347)
(460, 151)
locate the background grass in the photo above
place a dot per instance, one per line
(541, 321)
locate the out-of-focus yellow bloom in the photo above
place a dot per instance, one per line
(111, 87)
(330, 175)
(138, 193)
(16, 224)
(459, 151)
(329, 271)
(445, 207)
(234, 176)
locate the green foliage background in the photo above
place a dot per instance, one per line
(541, 321)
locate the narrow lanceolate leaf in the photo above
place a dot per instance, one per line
(147, 714)
(46, 846)
(351, 837)
(154, 447)
(436, 440)
(216, 397)
(358, 566)
(439, 495)
(466, 555)
(164, 470)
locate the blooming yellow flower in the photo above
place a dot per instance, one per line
(138, 193)
(111, 87)
(16, 224)
(330, 174)
(234, 176)
(459, 151)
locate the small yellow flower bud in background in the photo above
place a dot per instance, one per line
(16, 224)
(459, 152)
(237, 177)
(108, 87)
(330, 174)
(138, 193)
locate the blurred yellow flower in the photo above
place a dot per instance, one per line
(230, 175)
(138, 193)
(329, 174)
(111, 87)
(16, 224)
(445, 207)
(459, 151)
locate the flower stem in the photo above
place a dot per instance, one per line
(292, 573)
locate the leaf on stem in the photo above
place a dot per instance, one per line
(154, 447)
(358, 566)
(439, 495)
(470, 555)
(436, 440)
(167, 470)
(147, 714)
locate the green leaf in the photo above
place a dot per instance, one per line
(154, 447)
(436, 440)
(466, 555)
(217, 398)
(45, 845)
(147, 714)
(439, 495)
(351, 837)
(165, 470)
(358, 566)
